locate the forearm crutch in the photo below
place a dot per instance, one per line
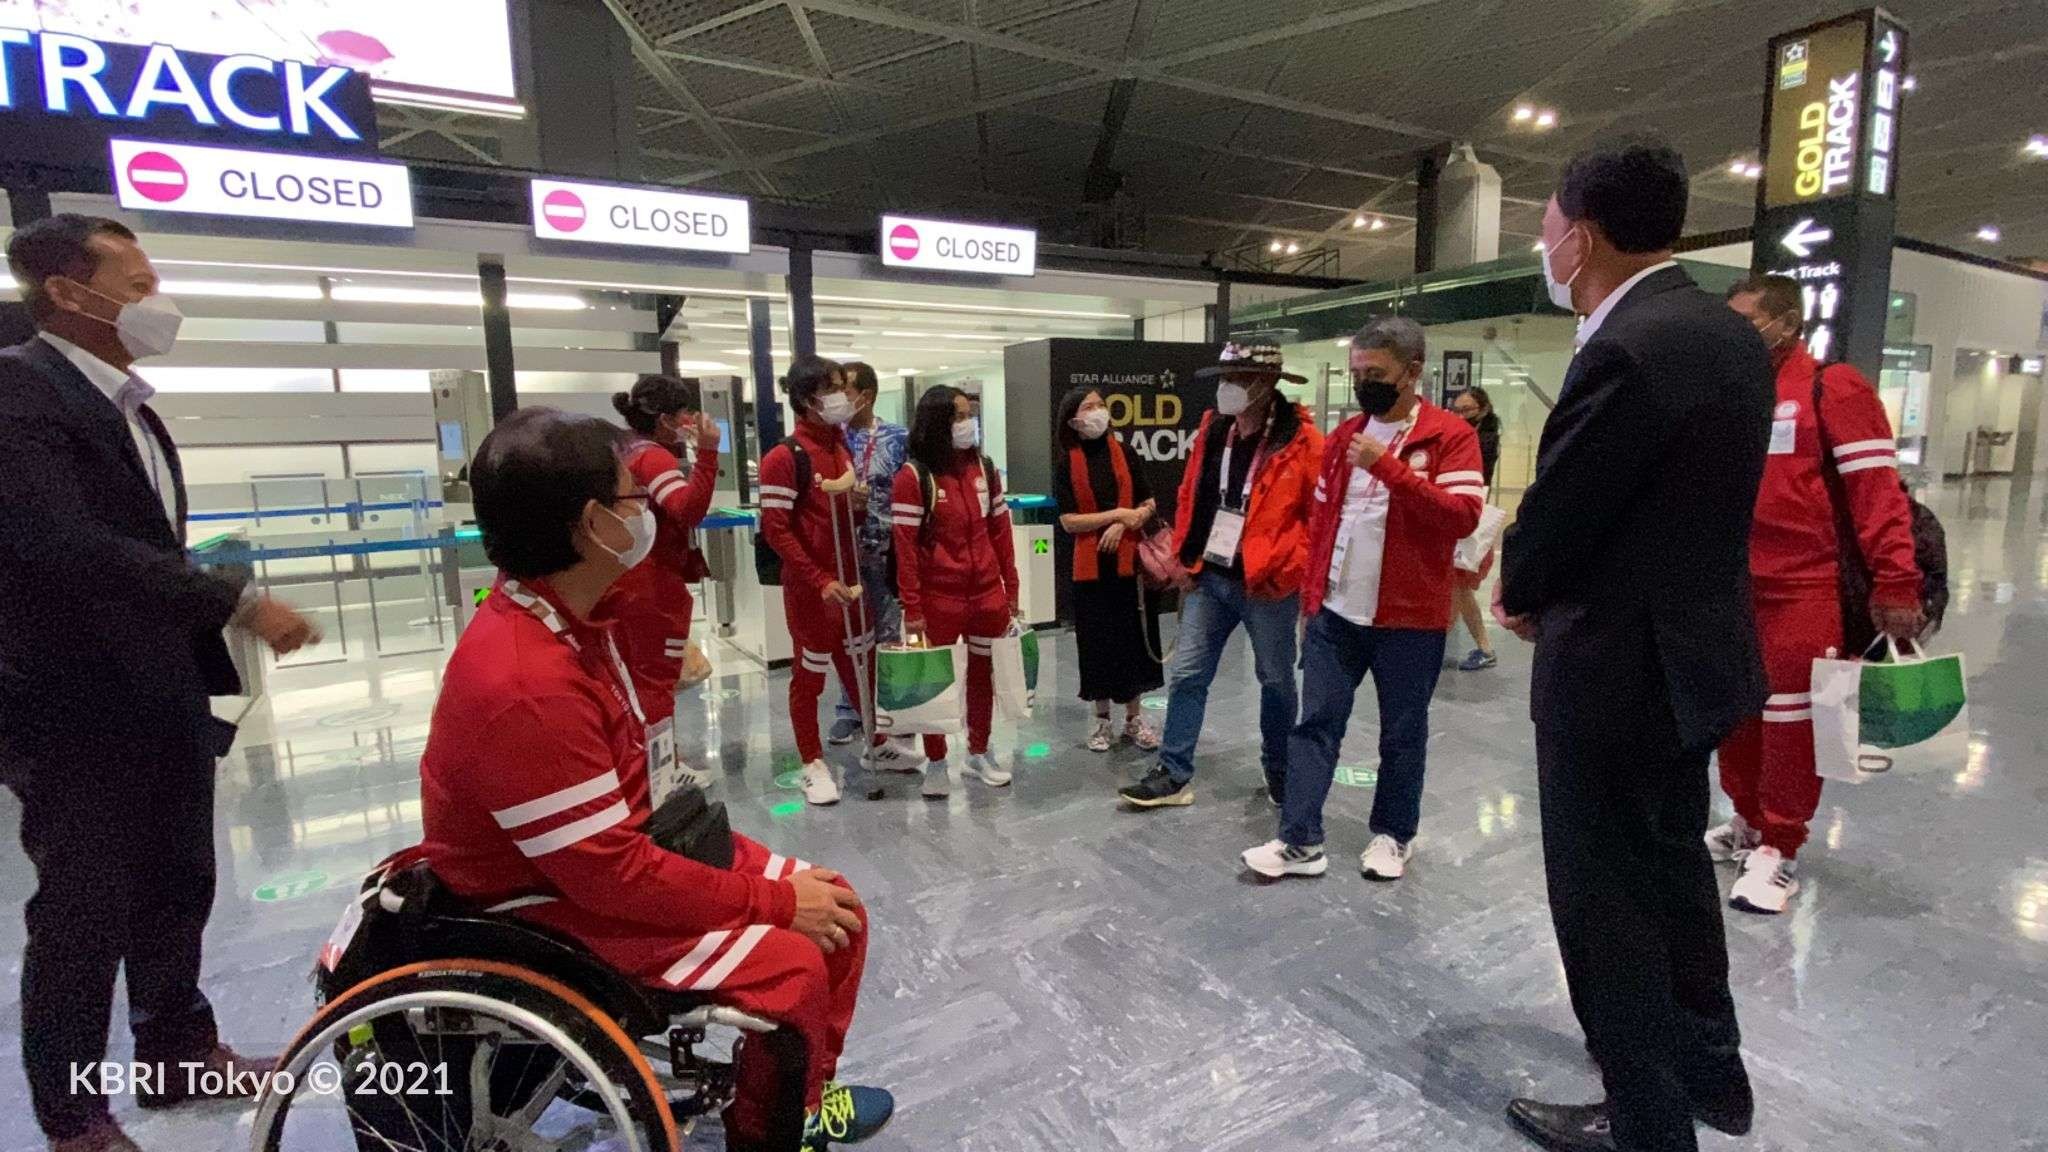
(856, 647)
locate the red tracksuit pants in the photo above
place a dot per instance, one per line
(653, 640)
(769, 972)
(980, 620)
(1767, 763)
(817, 635)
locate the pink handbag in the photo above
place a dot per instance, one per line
(1156, 555)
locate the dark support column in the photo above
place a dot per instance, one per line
(803, 316)
(1137, 327)
(1428, 166)
(490, 274)
(330, 333)
(666, 309)
(27, 205)
(761, 349)
(1219, 314)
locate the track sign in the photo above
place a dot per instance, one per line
(157, 177)
(951, 246)
(612, 214)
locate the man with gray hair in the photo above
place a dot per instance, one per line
(1401, 483)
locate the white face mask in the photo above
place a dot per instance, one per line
(1231, 398)
(835, 409)
(1092, 424)
(641, 529)
(966, 433)
(1560, 290)
(148, 327)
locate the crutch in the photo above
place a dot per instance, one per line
(856, 648)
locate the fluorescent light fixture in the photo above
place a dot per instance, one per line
(704, 366)
(539, 301)
(955, 306)
(240, 288)
(1546, 119)
(1989, 234)
(944, 335)
(906, 371)
(508, 110)
(1524, 114)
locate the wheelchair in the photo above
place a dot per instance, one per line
(447, 1028)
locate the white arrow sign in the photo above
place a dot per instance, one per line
(1889, 45)
(1803, 236)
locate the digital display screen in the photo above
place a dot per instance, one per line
(452, 440)
(448, 48)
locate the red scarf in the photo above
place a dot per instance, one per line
(1087, 545)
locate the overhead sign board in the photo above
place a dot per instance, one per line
(952, 246)
(451, 53)
(646, 217)
(1825, 207)
(158, 177)
(63, 97)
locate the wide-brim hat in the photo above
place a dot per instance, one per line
(1250, 360)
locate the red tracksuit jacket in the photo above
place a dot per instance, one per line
(1435, 490)
(966, 552)
(801, 533)
(534, 781)
(651, 602)
(1792, 544)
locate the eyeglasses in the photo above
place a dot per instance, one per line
(642, 494)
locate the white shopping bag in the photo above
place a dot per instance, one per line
(1903, 714)
(1471, 553)
(917, 690)
(1015, 659)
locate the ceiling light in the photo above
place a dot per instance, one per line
(1989, 234)
(240, 288)
(367, 294)
(1737, 167)
(1910, 84)
(2038, 146)
(1524, 114)
(1378, 222)
(1536, 247)
(942, 335)
(1358, 221)
(1275, 246)
(954, 306)
(1546, 119)
(906, 371)
(704, 366)
(945, 367)
(1292, 248)
(1343, 341)
(1753, 172)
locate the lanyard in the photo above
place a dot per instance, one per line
(1393, 449)
(546, 614)
(867, 452)
(1251, 473)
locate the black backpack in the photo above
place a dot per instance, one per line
(767, 561)
(1930, 550)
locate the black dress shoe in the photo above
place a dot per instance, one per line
(1564, 1127)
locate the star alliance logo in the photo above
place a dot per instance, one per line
(1167, 379)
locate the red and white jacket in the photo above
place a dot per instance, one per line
(1793, 550)
(966, 552)
(1435, 490)
(800, 531)
(652, 600)
(534, 779)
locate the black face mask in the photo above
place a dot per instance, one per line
(1376, 397)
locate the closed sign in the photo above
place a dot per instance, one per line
(609, 214)
(950, 246)
(261, 185)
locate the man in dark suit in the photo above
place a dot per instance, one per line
(1628, 565)
(110, 645)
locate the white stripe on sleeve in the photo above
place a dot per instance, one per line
(768, 502)
(1867, 463)
(734, 957)
(1788, 717)
(558, 801)
(774, 869)
(576, 831)
(1860, 446)
(777, 490)
(907, 508)
(1449, 478)
(706, 945)
(1467, 490)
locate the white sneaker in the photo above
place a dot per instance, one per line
(1276, 858)
(991, 773)
(1385, 858)
(819, 786)
(1103, 737)
(1727, 842)
(1766, 884)
(694, 777)
(895, 754)
(938, 780)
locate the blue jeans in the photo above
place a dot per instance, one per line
(880, 593)
(1208, 616)
(1335, 656)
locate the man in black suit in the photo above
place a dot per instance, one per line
(110, 645)
(1628, 565)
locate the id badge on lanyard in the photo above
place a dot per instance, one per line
(1340, 552)
(659, 741)
(1226, 532)
(664, 773)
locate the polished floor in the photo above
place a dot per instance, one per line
(1049, 972)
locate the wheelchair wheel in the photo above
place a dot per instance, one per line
(463, 1056)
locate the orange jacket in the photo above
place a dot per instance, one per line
(1275, 542)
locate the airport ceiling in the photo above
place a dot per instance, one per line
(1224, 125)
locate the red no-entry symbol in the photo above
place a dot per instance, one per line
(157, 176)
(563, 209)
(903, 242)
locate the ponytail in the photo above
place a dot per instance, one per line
(656, 396)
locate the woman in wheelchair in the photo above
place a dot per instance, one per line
(591, 937)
